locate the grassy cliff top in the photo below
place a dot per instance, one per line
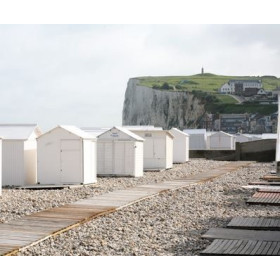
(206, 82)
(209, 84)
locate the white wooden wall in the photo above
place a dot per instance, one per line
(158, 151)
(62, 159)
(139, 159)
(0, 167)
(119, 158)
(221, 141)
(197, 142)
(180, 147)
(90, 155)
(30, 162)
(13, 171)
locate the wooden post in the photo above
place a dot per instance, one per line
(277, 158)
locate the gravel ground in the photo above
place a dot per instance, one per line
(17, 203)
(169, 224)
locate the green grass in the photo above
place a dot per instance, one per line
(240, 108)
(226, 99)
(207, 82)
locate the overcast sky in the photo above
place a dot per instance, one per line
(77, 74)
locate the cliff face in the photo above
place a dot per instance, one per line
(147, 106)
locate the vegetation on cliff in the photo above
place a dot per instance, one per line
(206, 88)
(206, 82)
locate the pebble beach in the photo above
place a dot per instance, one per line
(170, 224)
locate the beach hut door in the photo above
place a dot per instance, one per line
(70, 161)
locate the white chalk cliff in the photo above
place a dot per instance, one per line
(148, 106)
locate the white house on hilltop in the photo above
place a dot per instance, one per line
(232, 85)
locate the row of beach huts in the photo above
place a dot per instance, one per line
(200, 139)
(72, 155)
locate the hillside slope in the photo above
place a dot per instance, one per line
(206, 82)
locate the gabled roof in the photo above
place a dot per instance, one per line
(178, 131)
(125, 131)
(269, 136)
(245, 81)
(95, 131)
(155, 131)
(222, 132)
(74, 130)
(195, 131)
(18, 131)
(141, 127)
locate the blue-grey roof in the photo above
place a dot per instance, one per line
(244, 81)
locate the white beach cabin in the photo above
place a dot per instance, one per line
(0, 166)
(180, 146)
(119, 153)
(66, 155)
(19, 154)
(158, 148)
(221, 141)
(197, 138)
(241, 138)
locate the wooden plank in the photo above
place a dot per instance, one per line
(265, 198)
(270, 190)
(223, 247)
(265, 183)
(227, 233)
(250, 244)
(276, 250)
(260, 250)
(155, 186)
(7, 249)
(242, 248)
(256, 248)
(271, 249)
(214, 246)
(272, 178)
(255, 223)
(235, 245)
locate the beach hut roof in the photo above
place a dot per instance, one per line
(18, 131)
(126, 131)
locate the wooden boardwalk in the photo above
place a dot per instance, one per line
(262, 223)
(34, 228)
(228, 247)
(245, 237)
(271, 178)
(242, 234)
(265, 197)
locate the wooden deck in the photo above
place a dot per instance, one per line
(265, 183)
(262, 223)
(245, 236)
(228, 247)
(265, 198)
(271, 178)
(34, 228)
